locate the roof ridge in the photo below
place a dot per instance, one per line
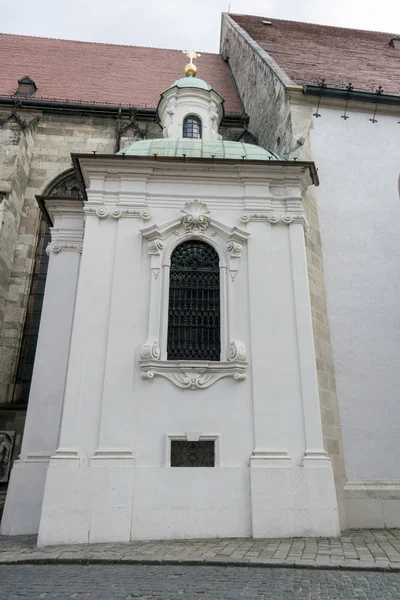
(65, 40)
(272, 19)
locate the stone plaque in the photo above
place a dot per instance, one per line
(6, 446)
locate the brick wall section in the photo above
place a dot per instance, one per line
(284, 128)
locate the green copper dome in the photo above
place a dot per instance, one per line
(195, 148)
(192, 82)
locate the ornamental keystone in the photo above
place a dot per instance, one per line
(195, 217)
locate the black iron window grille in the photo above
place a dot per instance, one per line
(194, 303)
(192, 127)
(192, 454)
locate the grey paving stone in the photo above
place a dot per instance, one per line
(111, 582)
(367, 549)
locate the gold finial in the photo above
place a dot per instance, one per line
(191, 69)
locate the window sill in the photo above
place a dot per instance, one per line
(193, 374)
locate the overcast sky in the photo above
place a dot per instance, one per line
(180, 23)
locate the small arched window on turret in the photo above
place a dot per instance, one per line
(192, 127)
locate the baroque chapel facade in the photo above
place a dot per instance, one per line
(211, 313)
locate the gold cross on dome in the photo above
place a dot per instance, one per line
(191, 54)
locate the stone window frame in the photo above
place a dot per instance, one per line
(196, 223)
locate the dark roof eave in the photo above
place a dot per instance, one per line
(41, 200)
(102, 110)
(355, 95)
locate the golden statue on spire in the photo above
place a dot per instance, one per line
(191, 69)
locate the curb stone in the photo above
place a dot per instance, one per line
(201, 562)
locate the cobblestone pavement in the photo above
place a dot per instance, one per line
(365, 549)
(145, 582)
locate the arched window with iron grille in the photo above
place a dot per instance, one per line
(194, 303)
(192, 127)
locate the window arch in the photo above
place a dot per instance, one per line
(192, 127)
(194, 303)
(64, 185)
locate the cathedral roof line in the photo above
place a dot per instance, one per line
(306, 53)
(96, 73)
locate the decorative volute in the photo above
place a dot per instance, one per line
(190, 96)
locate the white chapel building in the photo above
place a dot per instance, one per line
(175, 384)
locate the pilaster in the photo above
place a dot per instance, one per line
(89, 486)
(292, 487)
(26, 487)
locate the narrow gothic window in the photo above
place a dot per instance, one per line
(192, 127)
(194, 303)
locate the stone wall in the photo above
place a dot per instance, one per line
(261, 85)
(16, 142)
(284, 128)
(11, 420)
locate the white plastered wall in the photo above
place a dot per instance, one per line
(178, 103)
(359, 212)
(25, 493)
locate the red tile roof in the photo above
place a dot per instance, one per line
(310, 52)
(104, 73)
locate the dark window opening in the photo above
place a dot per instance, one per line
(192, 454)
(67, 186)
(194, 303)
(192, 127)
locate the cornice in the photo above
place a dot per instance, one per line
(119, 166)
(116, 211)
(70, 240)
(53, 207)
(286, 218)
